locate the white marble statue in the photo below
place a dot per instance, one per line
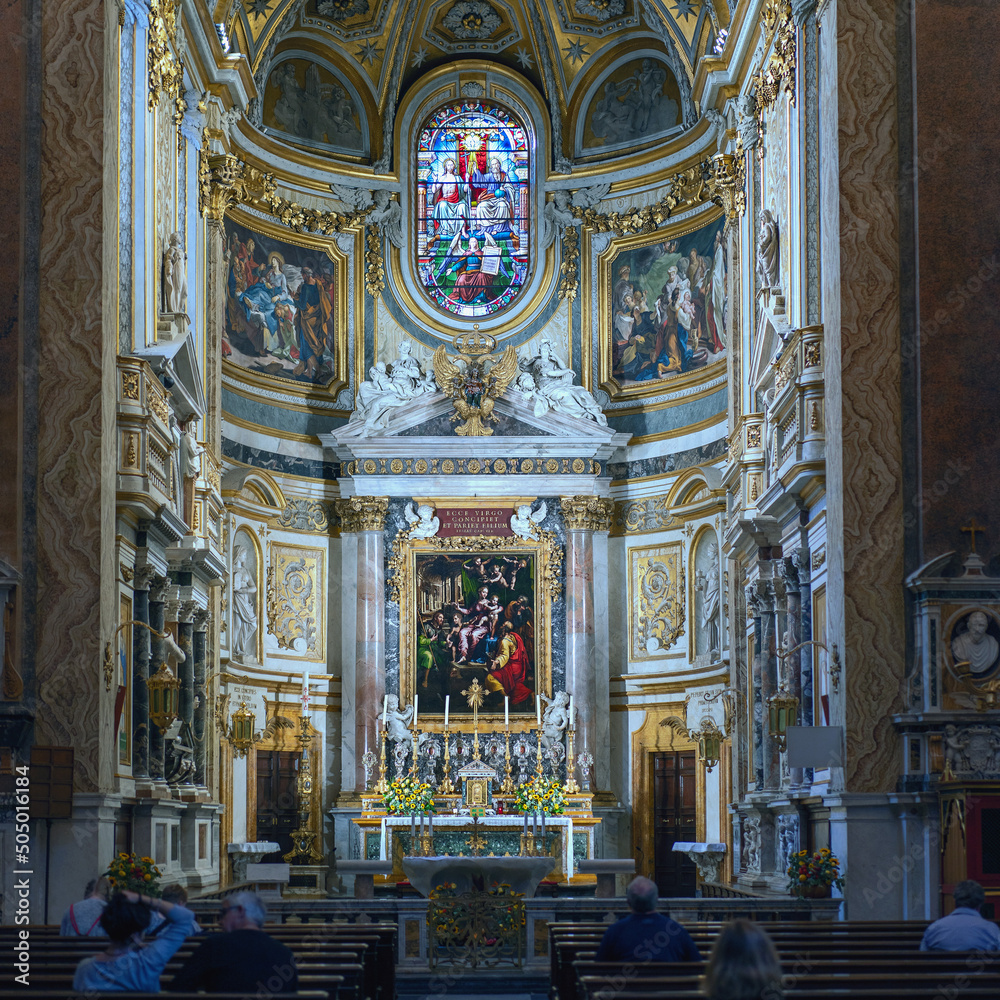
(398, 720)
(174, 276)
(975, 646)
(191, 452)
(244, 606)
(707, 581)
(555, 718)
(388, 216)
(767, 250)
(422, 520)
(554, 388)
(557, 215)
(390, 387)
(525, 521)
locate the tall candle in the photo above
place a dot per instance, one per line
(506, 712)
(526, 824)
(538, 710)
(447, 705)
(572, 711)
(543, 829)
(385, 711)
(415, 697)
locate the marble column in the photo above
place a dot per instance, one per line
(140, 673)
(755, 605)
(586, 673)
(157, 619)
(202, 620)
(807, 655)
(769, 680)
(185, 670)
(790, 672)
(366, 516)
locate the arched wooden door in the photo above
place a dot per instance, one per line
(675, 819)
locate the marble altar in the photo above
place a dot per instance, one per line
(520, 873)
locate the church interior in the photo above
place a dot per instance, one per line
(725, 572)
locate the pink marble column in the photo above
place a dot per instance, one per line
(586, 671)
(366, 516)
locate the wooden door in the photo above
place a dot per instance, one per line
(674, 819)
(277, 805)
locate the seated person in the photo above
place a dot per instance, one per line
(963, 929)
(244, 958)
(128, 964)
(743, 965)
(83, 919)
(645, 935)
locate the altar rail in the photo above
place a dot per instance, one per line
(410, 916)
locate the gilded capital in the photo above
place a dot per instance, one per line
(363, 513)
(219, 175)
(583, 513)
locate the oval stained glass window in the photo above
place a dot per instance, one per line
(473, 165)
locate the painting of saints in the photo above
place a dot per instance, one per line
(669, 306)
(476, 622)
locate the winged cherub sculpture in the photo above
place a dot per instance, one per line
(474, 387)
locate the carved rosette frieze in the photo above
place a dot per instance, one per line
(363, 513)
(399, 466)
(583, 513)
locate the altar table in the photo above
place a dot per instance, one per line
(521, 874)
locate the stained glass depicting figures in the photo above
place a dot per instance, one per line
(473, 162)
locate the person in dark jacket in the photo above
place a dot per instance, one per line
(244, 958)
(645, 935)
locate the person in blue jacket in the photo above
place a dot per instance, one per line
(645, 935)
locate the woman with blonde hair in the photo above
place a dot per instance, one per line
(743, 965)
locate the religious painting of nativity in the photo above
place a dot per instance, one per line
(475, 620)
(280, 315)
(668, 304)
(472, 208)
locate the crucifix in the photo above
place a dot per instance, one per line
(972, 528)
(474, 696)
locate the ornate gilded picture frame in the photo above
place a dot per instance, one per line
(475, 609)
(663, 309)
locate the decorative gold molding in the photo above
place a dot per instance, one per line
(374, 265)
(655, 600)
(587, 513)
(363, 513)
(779, 70)
(296, 600)
(728, 182)
(569, 267)
(166, 72)
(686, 189)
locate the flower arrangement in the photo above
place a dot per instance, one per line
(544, 795)
(129, 871)
(807, 871)
(406, 796)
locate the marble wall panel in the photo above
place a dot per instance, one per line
(871, 450)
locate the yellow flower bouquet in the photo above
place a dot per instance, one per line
(541, 795)
(406, 796)
(130, 871)
(812, 873)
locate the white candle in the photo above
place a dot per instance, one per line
(572, 712)
(415, 711)
(305, 688)
(447, 705)
(385, 711)
(538, 710)
(506, 712)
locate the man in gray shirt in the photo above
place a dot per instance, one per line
(83, 919)
(963, 929)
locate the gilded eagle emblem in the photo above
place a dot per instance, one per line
(475, 384)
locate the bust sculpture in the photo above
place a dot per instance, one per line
(975, 646)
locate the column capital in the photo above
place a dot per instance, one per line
(143, 578)
(202, 620)
(186, 611)
(587, 513)
(158, 588)
(363, 513)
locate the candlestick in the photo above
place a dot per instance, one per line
(507, 787)
(383, 785)
(538, 756)
(571, 786)
(447, 705)
(446, 787)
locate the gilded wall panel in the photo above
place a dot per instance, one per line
(296, 601)
(655, 600)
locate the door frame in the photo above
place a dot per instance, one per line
(650, 738)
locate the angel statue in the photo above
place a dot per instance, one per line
(474, 388)
(555, 719)
(423, 522)
(398, 720)
(525, 521)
